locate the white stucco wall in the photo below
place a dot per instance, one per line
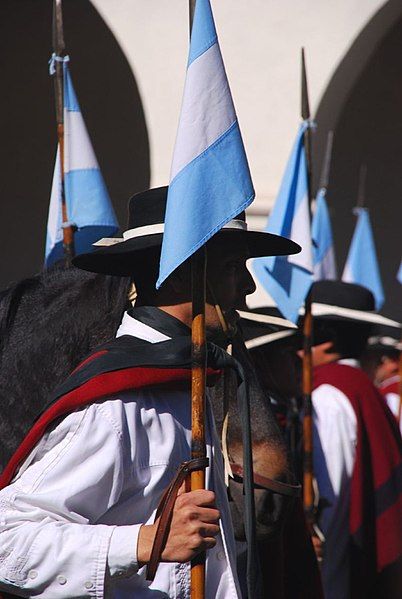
(260, 42)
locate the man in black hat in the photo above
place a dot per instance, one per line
(77, 518)
(382, 362)
(357, 450)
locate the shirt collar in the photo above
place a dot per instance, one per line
(349, 362)
(151, 324)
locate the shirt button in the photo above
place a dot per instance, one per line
(221, 555)
(88, 585)
(32, 574)
(61, 579)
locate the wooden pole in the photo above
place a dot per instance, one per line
(308, 474)
(59, 50)
(198, 383)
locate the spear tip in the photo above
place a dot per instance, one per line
(305, 104)
(57, 30)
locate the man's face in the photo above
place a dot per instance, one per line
(228, 276)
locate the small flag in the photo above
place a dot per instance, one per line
(361, 264)
(288, 278)
(399, 274)
(323, 245)
(89, 207)
(210, 181)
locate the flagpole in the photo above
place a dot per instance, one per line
(59, 51)
(198, 382)
(308, 475)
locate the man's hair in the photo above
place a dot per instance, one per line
(373, 356)
(349, 338)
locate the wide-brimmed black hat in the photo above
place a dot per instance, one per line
(264, 325)
(338, 300)
(146, 215)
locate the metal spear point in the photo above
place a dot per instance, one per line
(59, 51)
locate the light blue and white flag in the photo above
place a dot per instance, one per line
(288, 278)
(361, 264)
(88, 204)
(399, 273)
(210, 181)
(323, 244)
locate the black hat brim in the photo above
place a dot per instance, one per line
(128, 257)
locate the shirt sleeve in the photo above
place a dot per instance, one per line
(50, 542)
(335, 434)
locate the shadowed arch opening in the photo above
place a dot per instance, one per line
(363, 106)
(110, 103)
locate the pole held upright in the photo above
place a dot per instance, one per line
(59, 51)
(198, 382)
(308, 474)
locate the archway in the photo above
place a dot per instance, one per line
(363, 105)
(110, 103)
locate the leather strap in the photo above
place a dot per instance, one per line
(267, 483)
(165, 511)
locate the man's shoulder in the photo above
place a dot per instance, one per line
(342, 376)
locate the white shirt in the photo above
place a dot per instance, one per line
(69, 522)
(335, 437)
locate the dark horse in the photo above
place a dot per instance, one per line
(51, 321)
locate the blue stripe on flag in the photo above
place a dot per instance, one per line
(321, 228)
(219, 173)
(288, 279)
(203, 34)
(399, 274)
(87, 199)
(83, 240)
(361, 264)
(70, 99)
(287, 283)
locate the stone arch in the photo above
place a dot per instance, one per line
(110, 102)
(363, 106)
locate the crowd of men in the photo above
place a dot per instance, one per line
(79, 499)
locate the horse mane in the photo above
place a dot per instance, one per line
(48, 323)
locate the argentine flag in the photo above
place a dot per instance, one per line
(361, 264)
(287, 279)
(87, 200)
(210, 181)
(323, 247)
(399, 273)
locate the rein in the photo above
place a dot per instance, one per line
(268, 484)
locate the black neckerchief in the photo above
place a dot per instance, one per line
(160, 321)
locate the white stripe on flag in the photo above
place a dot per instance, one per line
(79, 154)
(325, 270)
(300, 233)
(207, 110)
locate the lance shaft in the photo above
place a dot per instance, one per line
(59, 50)
(308, 475)
(198, 383)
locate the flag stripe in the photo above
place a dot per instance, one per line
(203, 33)
(87, 199)
(206, 92)
(219, 172)
(362, 265)
(78, 153)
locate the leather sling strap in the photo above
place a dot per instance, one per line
(165, 511)
(267, 483)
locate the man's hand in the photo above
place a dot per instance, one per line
(194, 526)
